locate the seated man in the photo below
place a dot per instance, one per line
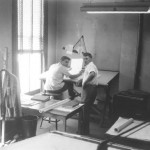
(55, 78)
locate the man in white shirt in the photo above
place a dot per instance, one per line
(55, 78)
(89, 89)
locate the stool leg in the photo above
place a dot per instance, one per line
(56, 124)
(64, 124)
(77, 93)
(41, 122)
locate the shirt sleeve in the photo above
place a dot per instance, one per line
(65, 71)
(92, 68)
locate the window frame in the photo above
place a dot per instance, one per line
(31, 51)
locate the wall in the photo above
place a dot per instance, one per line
(128, 55)
(145, 64)
(69, 24)
(6, 30)
(111, 38)
(52, 30)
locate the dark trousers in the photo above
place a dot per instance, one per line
(88, 97)
(67, 86)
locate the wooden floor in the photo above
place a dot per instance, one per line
(96, 131)
(72, 127)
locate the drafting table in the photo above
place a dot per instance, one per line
(62, 141)
(106, 76)
(105, 79)
(58, 113)
(139, 135)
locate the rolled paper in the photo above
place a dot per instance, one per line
(52, 106)
(127, 123)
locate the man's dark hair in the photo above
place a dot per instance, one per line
(87, 54)
(64, 58)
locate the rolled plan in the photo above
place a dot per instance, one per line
(124, 125)
(52, 106)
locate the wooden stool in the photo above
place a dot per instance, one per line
(49, 121)
(58, 96)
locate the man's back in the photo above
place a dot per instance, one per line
(54, 79)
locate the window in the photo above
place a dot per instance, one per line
(30, 43)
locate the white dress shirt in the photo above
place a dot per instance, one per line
(55, 76)
(91, 67)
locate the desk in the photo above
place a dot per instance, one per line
(61, 141)
(57, 113)
(135, 133)
(104, 80)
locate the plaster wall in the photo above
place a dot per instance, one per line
(128, 55)
(100, 33)
(145, 62)
(104, 36)
(112, 39)
(52, 30)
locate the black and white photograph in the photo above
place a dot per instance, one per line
(74, 74)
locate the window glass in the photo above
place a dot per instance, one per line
(30, 43)
(29, 71)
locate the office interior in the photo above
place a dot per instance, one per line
(118, 42)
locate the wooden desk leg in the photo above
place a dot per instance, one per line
(80, 122)
(64, 124)
(105, 105)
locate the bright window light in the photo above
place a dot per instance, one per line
(30, 43)
(29, 71)
(76, 65)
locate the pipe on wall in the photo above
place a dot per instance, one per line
(139, 53)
